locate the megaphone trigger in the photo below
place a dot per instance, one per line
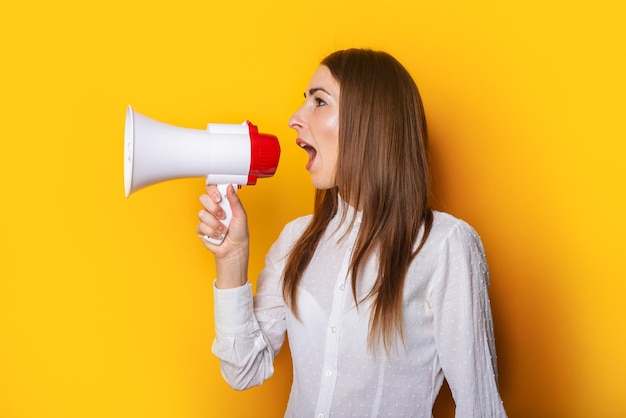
(225, 205)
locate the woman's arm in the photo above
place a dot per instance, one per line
(464, 326)
(249, 331)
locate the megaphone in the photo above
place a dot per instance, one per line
(225, 154)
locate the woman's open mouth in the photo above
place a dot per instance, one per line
(309, 149)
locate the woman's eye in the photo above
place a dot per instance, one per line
(319, 102)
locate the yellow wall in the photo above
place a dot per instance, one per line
(106, 304)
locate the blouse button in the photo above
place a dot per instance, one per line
(329, 373)
(320, 415)
(342, 286)
(333, 329)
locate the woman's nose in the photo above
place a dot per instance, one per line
(295, 121)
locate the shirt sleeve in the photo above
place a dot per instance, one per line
(250, 330)
(463, 324)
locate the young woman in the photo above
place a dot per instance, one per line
(381, 297)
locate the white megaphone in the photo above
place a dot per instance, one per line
(223, 153)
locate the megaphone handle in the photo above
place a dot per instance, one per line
(225, 205)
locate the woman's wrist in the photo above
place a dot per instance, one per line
(232, 269)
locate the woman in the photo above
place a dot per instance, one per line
(381, 296)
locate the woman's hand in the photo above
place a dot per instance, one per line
(231, 256)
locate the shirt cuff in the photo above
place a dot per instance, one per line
(234, 310)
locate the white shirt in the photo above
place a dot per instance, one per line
(447, 327)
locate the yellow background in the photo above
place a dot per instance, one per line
(106, 303)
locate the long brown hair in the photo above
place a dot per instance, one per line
(382, 165)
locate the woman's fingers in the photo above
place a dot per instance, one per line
(211, 214)
(209, 225)
(213, 217)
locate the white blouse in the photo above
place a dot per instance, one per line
(447, 326)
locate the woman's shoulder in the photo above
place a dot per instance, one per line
(288, 236)
(298, 224)
(446, 220)
(293, 229)
(447, 226)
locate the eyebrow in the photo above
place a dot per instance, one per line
(314, 90)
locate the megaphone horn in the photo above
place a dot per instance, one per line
(223, 153)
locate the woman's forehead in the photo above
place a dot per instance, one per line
(322, 79)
